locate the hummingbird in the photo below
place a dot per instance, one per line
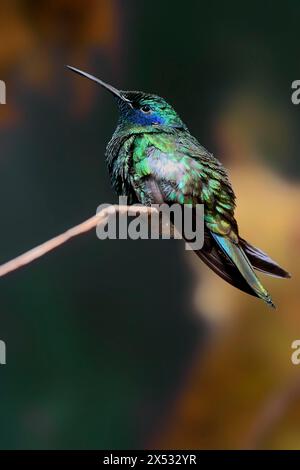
(152, 158)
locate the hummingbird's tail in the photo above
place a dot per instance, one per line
(240, 260)
(262, 262)
(235, 262)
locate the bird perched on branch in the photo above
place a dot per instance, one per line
(152, 159)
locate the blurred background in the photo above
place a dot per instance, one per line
(136, 344)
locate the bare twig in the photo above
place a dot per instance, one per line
(100, 219)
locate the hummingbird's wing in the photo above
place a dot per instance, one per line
(213, 257)
(176, 169)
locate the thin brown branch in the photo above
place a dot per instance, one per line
(100, 219)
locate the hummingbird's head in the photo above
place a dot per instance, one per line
(145, 109)
(139, 108)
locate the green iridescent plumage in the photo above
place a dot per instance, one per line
(153, 158)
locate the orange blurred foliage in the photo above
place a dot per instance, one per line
(31, 33)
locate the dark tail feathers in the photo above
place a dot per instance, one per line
(261, 261)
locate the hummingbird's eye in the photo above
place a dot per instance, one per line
(145, 108)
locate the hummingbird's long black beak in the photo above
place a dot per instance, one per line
(110, 88)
